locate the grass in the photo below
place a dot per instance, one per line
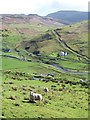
(76, 35)
(64, 100)
(24, 66)
(70, 102)
(32, 67)
(56, 104)
(74, 65)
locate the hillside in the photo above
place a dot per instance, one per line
(16, 28)
(31, 18)
(69, 16)
(76, 36)
(34, 33)
(32, 60)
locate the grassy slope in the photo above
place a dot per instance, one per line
(76, 35)
(57, 103)
(70, 103)
(18, 28)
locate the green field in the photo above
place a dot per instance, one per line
(59, 102)
(67, 96)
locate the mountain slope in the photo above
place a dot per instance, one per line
(69, 16)
(31, 18)
(19, 27)
(27, 33)
(76, 36)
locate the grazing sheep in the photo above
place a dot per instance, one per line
(35, 96)
(46, 89)
(81, 80)
(84, 81)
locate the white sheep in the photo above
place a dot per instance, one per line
(35, 96)
(81, 80)
(46, 89)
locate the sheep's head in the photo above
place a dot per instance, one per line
(31, 92)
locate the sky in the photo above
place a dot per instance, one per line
(41, 7)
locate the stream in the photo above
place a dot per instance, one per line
(55, 65)
(68, 70)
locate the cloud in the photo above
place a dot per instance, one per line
(71, 4)
(41, 7)
(56, 5)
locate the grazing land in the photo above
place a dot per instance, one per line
(32, 58)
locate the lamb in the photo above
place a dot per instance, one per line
(35, 96)
(46, 89)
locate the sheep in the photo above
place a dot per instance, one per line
(35, 96)
(81, 81)
(46, 89)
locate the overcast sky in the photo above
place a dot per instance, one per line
(41, 7)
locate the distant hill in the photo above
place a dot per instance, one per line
(31, 18)
(69, 16)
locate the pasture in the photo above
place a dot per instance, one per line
(64, 99)
(67, 96)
